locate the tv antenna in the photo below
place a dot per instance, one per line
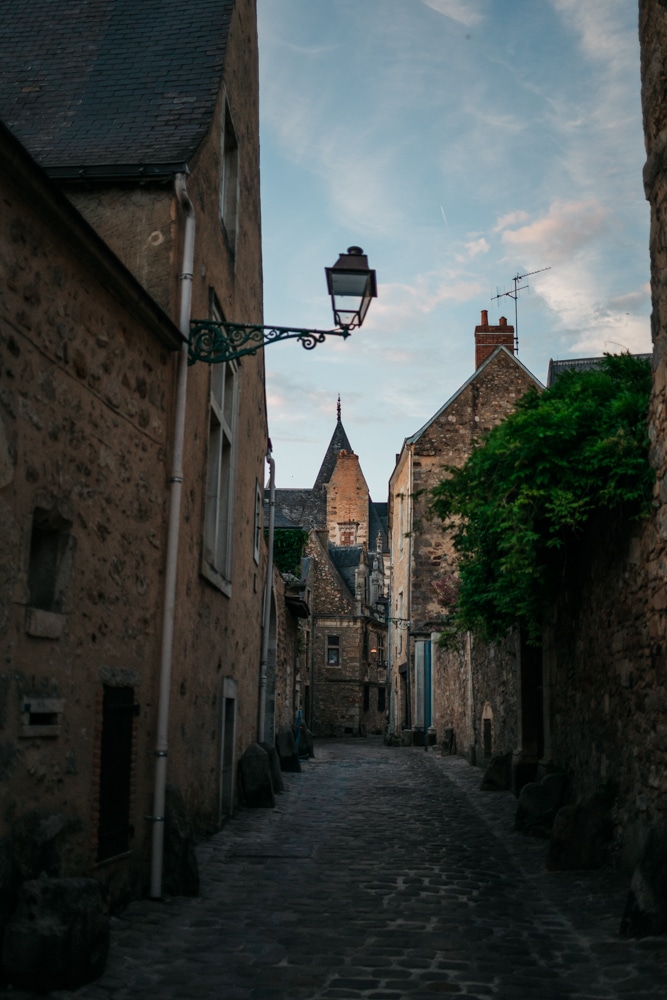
(514, 294)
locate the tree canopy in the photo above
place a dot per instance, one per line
(532, 483)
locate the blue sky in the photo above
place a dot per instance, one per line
(459, 142)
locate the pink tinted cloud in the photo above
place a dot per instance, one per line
(567, 227)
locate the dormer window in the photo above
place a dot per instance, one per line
(229, 184)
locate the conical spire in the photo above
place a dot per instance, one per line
(339, 442)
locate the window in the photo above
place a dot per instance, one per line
(218, 520)
(347, 533)
(259, 503)
(229, 187)
(51, 552)
(333, 651)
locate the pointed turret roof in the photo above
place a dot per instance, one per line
(339, 442)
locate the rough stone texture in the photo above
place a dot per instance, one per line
(474, 680)
(274, 767)
(87, 380)
(646, 906)
(287, 754)
(498, 774)
(255, 778)
(346, 555)
(58, 937)
(339, 700)
(288, 680)
(581, 836)
(347, 502)
(180, 871)
(329, 896)
(538, 804)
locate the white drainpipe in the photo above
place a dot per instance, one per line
(268, 592)
(171, 565)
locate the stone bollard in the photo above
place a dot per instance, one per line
(286, 747)
(255, 778)
(274, 767)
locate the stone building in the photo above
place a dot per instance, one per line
(133, 560)
(345, 636)
(434, 688)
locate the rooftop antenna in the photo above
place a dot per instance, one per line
(514, 294)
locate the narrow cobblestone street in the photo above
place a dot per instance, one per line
(383, 873)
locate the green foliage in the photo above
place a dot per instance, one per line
(288, 547)
(530, 486)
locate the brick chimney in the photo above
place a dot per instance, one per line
(487, 338)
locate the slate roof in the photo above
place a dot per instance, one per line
(108, 87)
(377, 524)
(301, 508)
(556, 368)
(346, 559)
(339, 442)
(308, 508)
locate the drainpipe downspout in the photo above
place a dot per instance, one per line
(173, 527)
(268, 591)
(408, 613)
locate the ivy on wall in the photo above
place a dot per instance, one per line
(288, 549)
(533, 482)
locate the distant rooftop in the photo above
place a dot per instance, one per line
(556, 368)
(112, 87)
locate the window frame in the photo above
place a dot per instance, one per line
(332, 645)
(221, 460)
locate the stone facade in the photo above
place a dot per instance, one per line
(457, 689)
(85, 389)
(87, 397)
(604, 704)
(345, 638)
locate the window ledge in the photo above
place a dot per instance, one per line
(216, 579)
(44, 624)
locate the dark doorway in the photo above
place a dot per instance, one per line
(114, 830)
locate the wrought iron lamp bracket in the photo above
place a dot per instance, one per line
(215, 342)
(402, 623)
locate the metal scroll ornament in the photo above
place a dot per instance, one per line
(215, 342)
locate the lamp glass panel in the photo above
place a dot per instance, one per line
(348, 284)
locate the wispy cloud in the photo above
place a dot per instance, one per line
(511, 219)
(476, 247)
(399, 304)
(564, 231)
(600, 27)
(466, 12)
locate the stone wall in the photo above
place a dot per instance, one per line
(422, 554)
(84, 392)
(86, 399)
(478, 697)
(347, 502)
(345, 696)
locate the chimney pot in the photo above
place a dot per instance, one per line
(485, 317)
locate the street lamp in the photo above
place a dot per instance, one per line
(351, 284)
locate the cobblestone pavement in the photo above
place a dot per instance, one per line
(383, 873)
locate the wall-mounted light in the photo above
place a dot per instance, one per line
(351, 285)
